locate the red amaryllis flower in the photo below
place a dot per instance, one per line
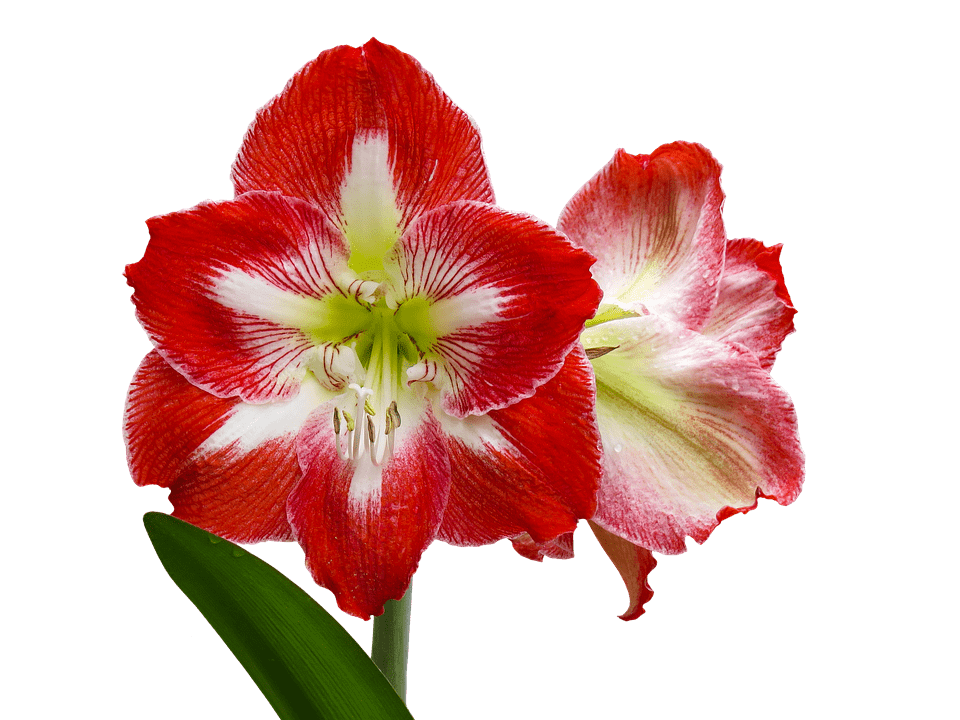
(694, 429)
(360, 352)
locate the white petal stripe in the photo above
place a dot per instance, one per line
(249, 426)
(368, 204)
(260, 298)
(469, 309)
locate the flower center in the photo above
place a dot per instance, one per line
(368, 416)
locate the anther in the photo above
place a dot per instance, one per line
(393, 414)
(336, 421)
(371, 430)
(349, 420)
(368, 407)
(598, 352)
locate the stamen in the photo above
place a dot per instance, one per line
(343, 452)
(394, 414)
(374, 399)
(594, 353)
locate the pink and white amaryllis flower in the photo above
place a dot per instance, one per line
(694, 429)
(360, 352)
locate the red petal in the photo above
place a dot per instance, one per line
(364, 530)
(300, 143)
(560, 548)
(653, 221)
(634, 563)
(232, 483)
(231, 292)
(690, 427)
(753, 306)
(508, 297)
(530, 468)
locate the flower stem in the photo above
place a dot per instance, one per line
(391, 641)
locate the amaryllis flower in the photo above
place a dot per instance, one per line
(360, 352)
(694, 429)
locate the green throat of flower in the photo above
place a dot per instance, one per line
(389, 346)
(606, 313)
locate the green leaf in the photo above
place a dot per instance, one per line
(306, 665)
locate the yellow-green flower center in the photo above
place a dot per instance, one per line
(387, 342)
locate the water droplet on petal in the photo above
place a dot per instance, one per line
(237, 552)
(618, 448)
(214, 539)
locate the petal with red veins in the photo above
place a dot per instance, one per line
(530, 468)
(692, 429)
(653, 221)
(560, 548)
(363, 527)
(240, 296)
(634, 563)
(753, 306)
(301, 143)
(230, 466)
(497, 301)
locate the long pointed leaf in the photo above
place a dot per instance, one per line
(302, 660)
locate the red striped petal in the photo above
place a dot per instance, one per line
(692, 430)
(634, 563)
(507, 296)
(530, 468)
(229, 466)
(653, 221)
(234, 294)
(753, 306)
(301, 142)
(364, 528)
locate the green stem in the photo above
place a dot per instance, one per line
(391, 641)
